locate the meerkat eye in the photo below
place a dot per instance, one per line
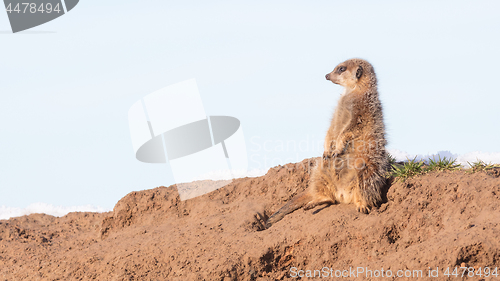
(341, 69)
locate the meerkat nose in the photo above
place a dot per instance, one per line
(327, 76)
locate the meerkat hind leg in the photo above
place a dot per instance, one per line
(361, 205)
(363, 209)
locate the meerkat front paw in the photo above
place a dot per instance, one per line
(335, 153)
(330, 155)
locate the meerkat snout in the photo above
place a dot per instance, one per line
(347, 74)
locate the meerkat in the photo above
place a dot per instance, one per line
(354, 161)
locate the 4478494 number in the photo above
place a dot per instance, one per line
(471, 272)
(33, 8)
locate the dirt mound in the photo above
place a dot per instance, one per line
(430, 223)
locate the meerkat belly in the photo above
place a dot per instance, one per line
(347, 182)
(343, 176)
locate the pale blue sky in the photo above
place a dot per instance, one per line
(65, 94)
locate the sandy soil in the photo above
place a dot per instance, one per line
(438, 220)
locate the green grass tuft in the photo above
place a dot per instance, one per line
(392, 159)
(479, 165)
(443, 164)
(412, 167)
(408, 169)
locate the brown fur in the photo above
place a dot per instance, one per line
(355, 160)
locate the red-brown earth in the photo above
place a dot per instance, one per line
(440, 220)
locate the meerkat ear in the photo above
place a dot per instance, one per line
(359, 72)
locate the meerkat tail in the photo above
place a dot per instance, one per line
(296, 203)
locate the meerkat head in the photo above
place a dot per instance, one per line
(352, 74)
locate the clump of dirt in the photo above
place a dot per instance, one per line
(430, 223)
